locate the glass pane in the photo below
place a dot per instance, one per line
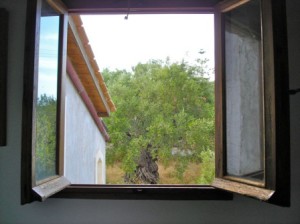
(244, 113)
(46, 106)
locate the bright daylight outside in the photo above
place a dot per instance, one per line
(159, 72)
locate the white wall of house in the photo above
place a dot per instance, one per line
(84, 144)
(70, 211)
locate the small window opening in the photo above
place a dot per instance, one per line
(99, 172)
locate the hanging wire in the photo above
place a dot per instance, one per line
(128, 9)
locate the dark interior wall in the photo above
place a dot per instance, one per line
(240, 210)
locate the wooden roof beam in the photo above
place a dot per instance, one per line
(79, 36)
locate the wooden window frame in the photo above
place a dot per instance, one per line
(31, 188)
(279, 172)
(3, 74)
(276, 188)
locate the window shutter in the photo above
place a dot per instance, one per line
(38, 181)
(252, 102)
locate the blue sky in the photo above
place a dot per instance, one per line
(48, 53)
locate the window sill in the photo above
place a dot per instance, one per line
(144, 192)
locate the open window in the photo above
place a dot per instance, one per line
(42, 173)
(252, 100)
(251, 90)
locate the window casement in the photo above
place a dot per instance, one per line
(251, 90)
(36, 179)
(3, 74)
(252, 105)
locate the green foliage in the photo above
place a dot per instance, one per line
(45, 153)
(167, 105)
(207, 167)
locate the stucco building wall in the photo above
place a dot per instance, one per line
(84, 144)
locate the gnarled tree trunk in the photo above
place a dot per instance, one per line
(146, 171)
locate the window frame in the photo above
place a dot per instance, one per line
(276, 188)
(31, 189)
(3, 74)
(160, 192)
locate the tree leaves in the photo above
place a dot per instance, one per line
(45, 146)
(170, 106)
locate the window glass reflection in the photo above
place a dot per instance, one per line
(46, 105)
(244, 113)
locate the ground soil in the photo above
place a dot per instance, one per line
(167, 174)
